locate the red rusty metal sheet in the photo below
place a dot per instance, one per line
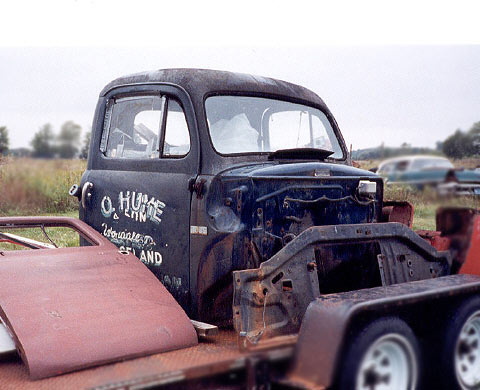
(71, 308)
(472, 261)
(398, 211)
(435, 239)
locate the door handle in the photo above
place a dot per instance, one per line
(86, 193)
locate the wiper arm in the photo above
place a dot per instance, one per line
(300, 154)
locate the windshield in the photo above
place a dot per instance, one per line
(242, 124)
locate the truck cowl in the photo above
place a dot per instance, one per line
(271, 204)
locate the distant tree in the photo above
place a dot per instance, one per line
(459, 145)
(475, 135)
(383, 152)
(86, 145)
(69, 139)
(4, 140)
(43, 142)
(475, 129)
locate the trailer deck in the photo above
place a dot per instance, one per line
(214, 356)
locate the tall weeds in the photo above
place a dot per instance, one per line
(33, 186)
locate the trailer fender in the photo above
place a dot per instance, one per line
(326, 323)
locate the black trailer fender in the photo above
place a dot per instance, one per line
(326, 323)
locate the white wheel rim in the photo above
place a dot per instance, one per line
(389, 364)
(467, 353)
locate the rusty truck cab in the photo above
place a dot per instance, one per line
(182, 161)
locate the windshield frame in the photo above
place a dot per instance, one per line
(282, 98)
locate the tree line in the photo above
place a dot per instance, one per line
(459, 145)
(463, 143)
(67, 144)
(47, 144)
(383, 152)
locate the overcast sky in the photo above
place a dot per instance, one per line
(391, 90)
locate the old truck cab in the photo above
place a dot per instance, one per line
(183, 163)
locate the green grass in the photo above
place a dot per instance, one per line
(467, 163)
(424, 217)
(61, 236)
(426, 203)
(35, 187)
(40, 187)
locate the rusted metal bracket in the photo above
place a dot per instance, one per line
(197, 186)
(271, 300)
(204, 330)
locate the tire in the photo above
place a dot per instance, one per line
(461, 349)
(383, 355)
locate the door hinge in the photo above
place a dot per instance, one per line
(197, 186)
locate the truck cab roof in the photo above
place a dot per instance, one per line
(199, 83)
(246, 102)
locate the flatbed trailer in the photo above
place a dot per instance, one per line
(217, 359)
(304, 361)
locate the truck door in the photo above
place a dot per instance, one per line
(143, 154)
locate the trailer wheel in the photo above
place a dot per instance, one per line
(461, 354)
(382, 356)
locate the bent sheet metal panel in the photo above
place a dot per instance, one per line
(71, 308)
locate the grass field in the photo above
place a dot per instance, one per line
(60, 236)
(40, 187)
(467, 163)
(427, 202)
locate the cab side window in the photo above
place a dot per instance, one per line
(136, 127)
(177, 137)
